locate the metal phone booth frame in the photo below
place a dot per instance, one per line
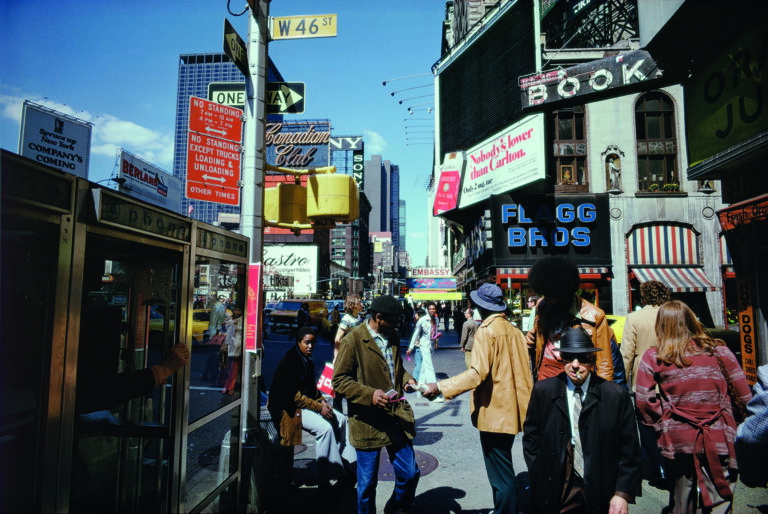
(96, 288)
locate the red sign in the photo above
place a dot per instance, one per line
(254, 316)
(213, 169)
(213, 119)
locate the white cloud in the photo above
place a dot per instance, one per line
(109, 132)
(417, 235)
(374, 142)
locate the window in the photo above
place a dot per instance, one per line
(656, 143)
(570, 150)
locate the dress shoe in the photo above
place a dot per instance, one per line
(391, 510)
(328, 494)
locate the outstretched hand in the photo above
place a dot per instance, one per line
(432, 390)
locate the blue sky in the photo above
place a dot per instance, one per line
(115, 65)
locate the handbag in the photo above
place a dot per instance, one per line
(738, 407)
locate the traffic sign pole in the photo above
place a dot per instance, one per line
(252, 205)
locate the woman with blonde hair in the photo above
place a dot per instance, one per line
(684, 390)
(353, 306)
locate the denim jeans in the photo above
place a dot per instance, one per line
(416, 363)
(407, 474)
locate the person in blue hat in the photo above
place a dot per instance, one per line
(500, 379)
(580, 438)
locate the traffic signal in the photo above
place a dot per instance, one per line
(286, 204)
(332, 197)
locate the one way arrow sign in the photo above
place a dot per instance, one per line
(285, 97)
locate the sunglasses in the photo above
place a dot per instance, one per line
(581, 357)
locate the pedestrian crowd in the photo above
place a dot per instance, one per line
(671, 403)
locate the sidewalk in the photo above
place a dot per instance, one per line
(453, 475)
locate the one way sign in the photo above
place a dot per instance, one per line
(285, 97)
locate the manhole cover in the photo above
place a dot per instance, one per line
(427, 464)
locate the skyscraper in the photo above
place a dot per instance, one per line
(196, 72)
(382, 186)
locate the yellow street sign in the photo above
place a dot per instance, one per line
(300, 27)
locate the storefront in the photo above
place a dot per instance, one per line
(96, 287)
(510, 231)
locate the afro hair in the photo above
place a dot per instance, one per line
(653, 293)
(554, 277)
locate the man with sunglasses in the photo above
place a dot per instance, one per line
(369, 373)
(580, 438)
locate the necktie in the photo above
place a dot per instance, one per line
(578, 456)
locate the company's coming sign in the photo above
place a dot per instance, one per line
(298, 145)
(505, 162)
(296, 261)
(55, 139)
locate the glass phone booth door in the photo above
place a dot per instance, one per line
(129, 319)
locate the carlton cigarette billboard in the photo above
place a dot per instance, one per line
(55, 139)
(507, 161)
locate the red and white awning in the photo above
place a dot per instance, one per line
(679, 280)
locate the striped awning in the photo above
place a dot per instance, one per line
(678, 280)
(523, 272)
(663, 245)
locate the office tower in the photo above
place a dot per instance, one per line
(196, 72)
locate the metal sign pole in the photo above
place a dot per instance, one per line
(252, 223)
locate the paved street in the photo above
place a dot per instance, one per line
(448, 449)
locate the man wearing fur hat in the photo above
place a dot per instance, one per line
(556, 279)
(500, 380)
(369, 373)
(580, 438)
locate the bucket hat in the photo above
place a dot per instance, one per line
(489, 297)
(577, 340)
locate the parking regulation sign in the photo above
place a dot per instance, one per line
(213, 152)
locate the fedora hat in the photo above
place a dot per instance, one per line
(489, 297)
(577, 340)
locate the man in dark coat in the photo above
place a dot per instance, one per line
(589, 461)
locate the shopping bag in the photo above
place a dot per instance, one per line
(324, 385)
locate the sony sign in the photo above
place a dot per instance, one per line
(591, 77)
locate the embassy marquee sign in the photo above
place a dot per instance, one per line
(591, 77)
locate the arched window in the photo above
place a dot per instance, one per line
(656, 143)
(570, 150)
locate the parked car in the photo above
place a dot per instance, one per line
(284, 314)
(617, 324)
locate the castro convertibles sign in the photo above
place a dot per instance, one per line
(526, 227)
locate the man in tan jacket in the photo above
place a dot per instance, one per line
(501, 383)
(640, 327)
(640, 335)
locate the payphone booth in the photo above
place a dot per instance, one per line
(96, 288)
